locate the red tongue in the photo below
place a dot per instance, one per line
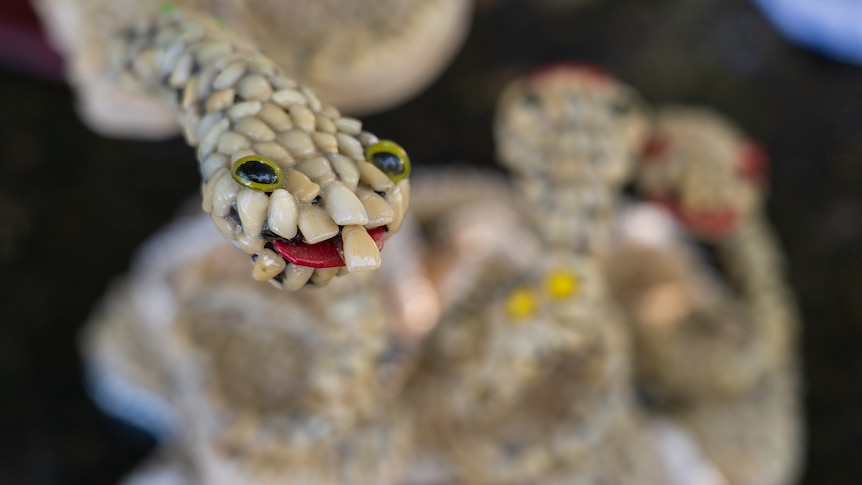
(325, 254)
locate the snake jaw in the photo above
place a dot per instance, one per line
(326, 254)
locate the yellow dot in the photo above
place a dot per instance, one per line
(521, 304)
(561, 284)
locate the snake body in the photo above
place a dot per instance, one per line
(290, 181)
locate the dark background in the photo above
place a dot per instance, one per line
(73, 206)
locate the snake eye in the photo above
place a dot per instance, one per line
(258, 173)
(390, 158)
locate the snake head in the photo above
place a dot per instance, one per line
(703, 170)
(565, 119)
(314, 200)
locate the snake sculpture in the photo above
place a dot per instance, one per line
(527, 373)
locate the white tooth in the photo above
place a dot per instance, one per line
(242, 110)
(229, 76)
(379, 211)
(295, 277)
(321, 276)
(250, 244)
(275, 152)
(224, 194)
(372, 176)
(283, 214)
(298, 184)
(302, 117)
(210, 139)
(360, 250)
(211, 164)
(317, 169)
(398, 199)
(343, 205)
(229, 228)
(267, 265)
(252, 207)
(315, 224)
(345, 168)
(207, 199)
(350, 146)
(254, 129)
(230, 141)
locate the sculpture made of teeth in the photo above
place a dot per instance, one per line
(304, 191)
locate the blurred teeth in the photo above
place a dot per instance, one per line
(316, 225)
(343, 205)
(268, 265)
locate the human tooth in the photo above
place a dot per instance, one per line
(345, 168)
(350, 146)
(267, 265)
(295, 276)
(315, 224)
(207, 199)
(379, 211)
(371, 175)
(224, 193)
(399, 199)
(251, 205)
(283, 214)
(360, 250)
(298, 184)
(321, 276)
(343, 205)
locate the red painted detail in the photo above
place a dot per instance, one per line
(754, 163)
(656, 147)
(325, 254)
(711, 224)
(539, 76)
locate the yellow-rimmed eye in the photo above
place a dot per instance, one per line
(521, 304)
(390, 158)
(258, 173)
(561, 284)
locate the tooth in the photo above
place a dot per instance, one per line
(254, 129)
(345, 168)
(295, 277)
(321, 276)
(252, 206)
(317, 169)
(224, 193)
(268, 265)
(302, 117)
(275, 152)
(254, 88)
(325, 125)
(343, 205)
(326, 142)
(249, 243)
(220, 100)
(283, 214)
(398, 199)
(181, 72)
(206, 123)
(242, 110)
(379, 211)
(211, 164)
(288, 97)
(275, 117)
(360, 251)
(229, 76)
(350, 126)
(229, 228)
(298, 184)
(207, 199)
(371, 175)
(231, 141)
(350, 146)
(297, 142)
(315, 224)
(210, 139)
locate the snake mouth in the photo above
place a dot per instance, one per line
(325, 254)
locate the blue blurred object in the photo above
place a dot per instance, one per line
(831, 27)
